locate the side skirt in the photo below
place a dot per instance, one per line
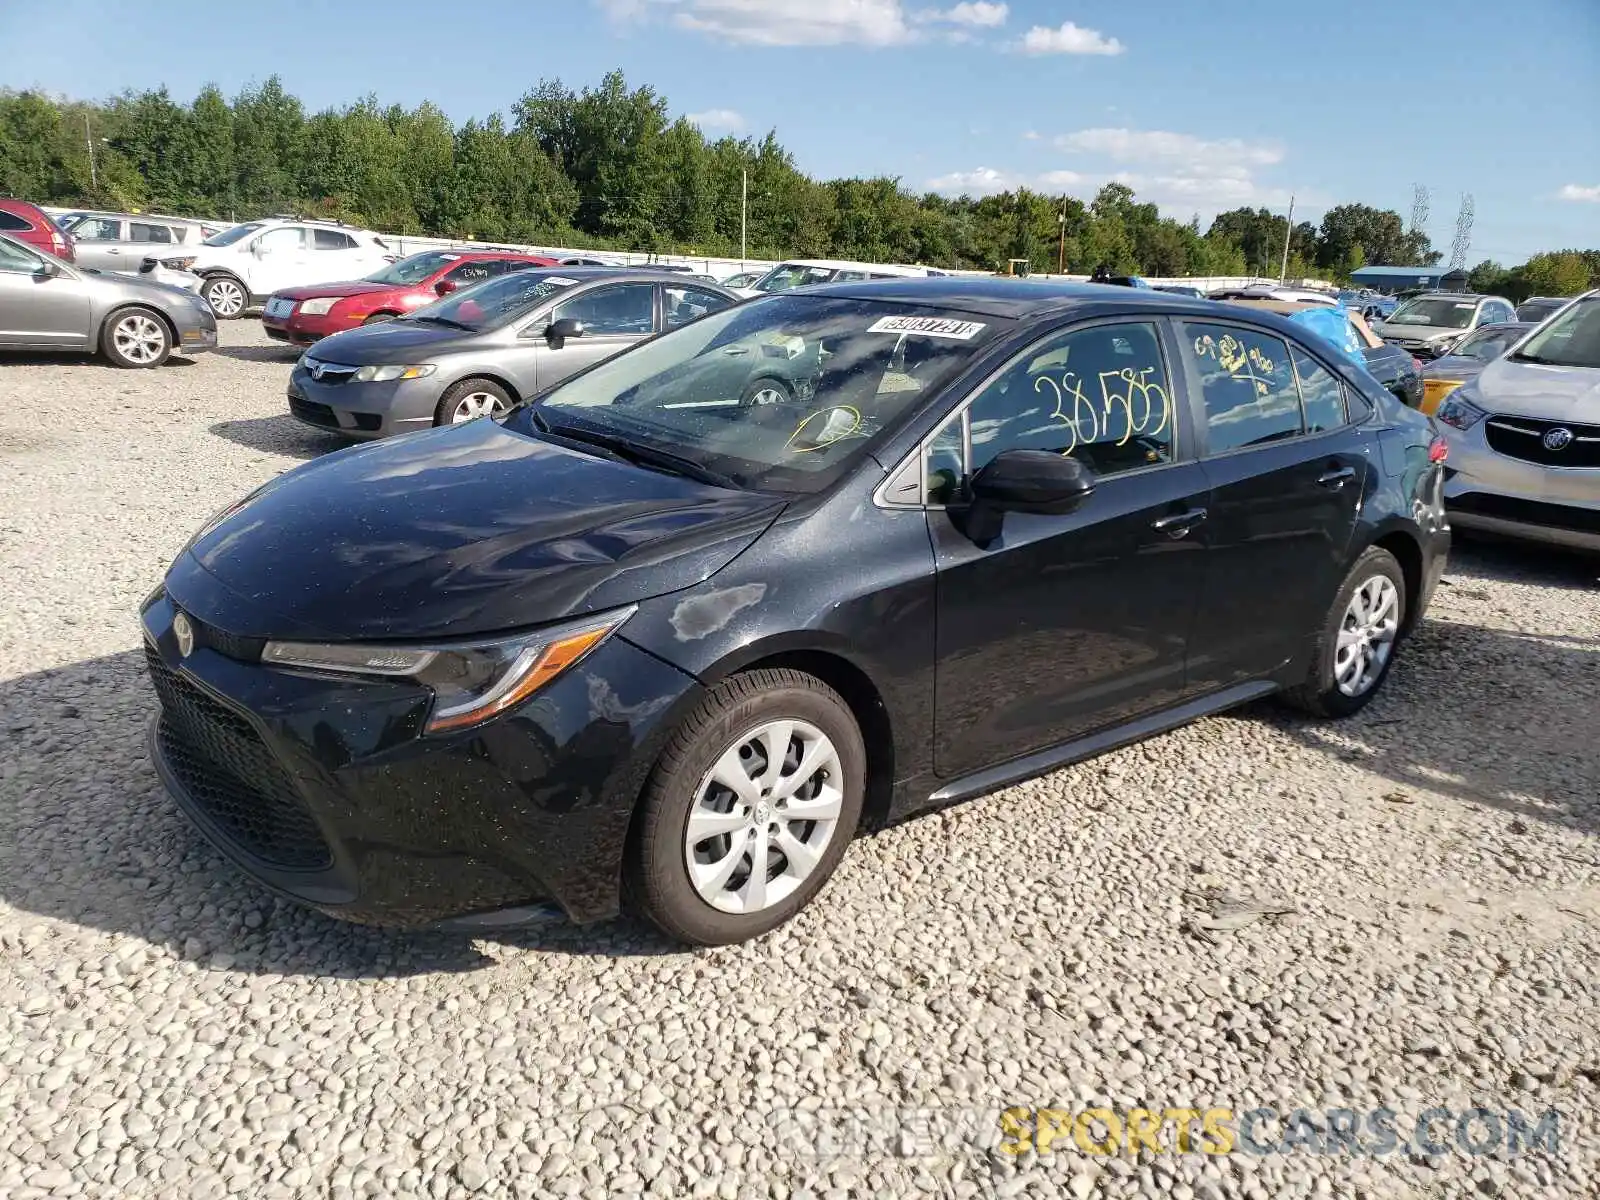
(992, 779)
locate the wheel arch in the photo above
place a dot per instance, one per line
(1407, 550)
(489, 376)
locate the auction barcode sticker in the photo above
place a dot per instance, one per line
(940, 327)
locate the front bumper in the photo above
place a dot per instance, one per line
(1496, 493)
(196, 338)
(363, 410)
(323, 789)
(301, 330)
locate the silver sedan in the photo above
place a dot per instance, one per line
(48, 304)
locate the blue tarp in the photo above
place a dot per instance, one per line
(1332, 325)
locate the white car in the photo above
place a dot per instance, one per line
(805, 272)
(244, 265)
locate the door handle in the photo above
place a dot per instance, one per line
(1338, 478)
(1177, 525)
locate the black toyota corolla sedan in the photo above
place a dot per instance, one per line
(662, 635)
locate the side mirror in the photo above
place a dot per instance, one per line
(1032, 481)
(558, 332)
(445, 286)
(48, 269)
(259, 248)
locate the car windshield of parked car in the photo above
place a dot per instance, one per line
(782, 394)
(1441, 313)
(789, 275)
(413, 269)
(1538, 310)
(1569, 340)
(1487, 344)
(495, 302)
(229, 236)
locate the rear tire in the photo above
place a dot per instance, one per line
(472, 398)
(227, 297)
(1359, 639)
(766, 390)
(134, 338)
(697, 883)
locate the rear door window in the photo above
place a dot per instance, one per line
(139, 231)
(1248, 383)
(332, 239)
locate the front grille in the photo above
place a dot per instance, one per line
(329, 372)
(310, 410)
(1528, 512)
(230, 775)
(1523, 437)
(242, 649)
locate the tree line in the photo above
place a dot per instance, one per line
(609, 167)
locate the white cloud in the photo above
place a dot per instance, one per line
(813, 22)
(978, 13)
(1068, 39)
(1577, 191)
(1158, 145)
(1031, 136)
(984, 181)
(718, 118)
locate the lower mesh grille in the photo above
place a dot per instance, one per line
(231, 775)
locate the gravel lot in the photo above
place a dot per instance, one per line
(168, 1029)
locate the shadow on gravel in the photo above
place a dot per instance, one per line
(89, 836)
(1495, 718)
(279, 435)
(85, 358)
(275, 353)
(1478, 557)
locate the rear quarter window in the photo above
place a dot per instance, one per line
(11, 223)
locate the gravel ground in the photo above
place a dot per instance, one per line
(168, 1029)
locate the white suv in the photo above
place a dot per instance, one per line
(244, 265)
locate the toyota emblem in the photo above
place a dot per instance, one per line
(1558, 438)
(184, 632)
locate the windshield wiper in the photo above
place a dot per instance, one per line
(1534, 358)
(637, 453)
(432, 320)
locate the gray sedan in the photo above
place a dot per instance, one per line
(47, 304)
(483, 349)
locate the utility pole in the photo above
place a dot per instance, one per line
(88, 137)
(1288, 232)
(1061, 253)
(744, 215)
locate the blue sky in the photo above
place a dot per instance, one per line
(1200, 106)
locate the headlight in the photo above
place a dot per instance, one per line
(471, 682)
(1458, 412)
(375, 374)
(179, 264)
(318, 307)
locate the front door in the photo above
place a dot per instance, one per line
(1287, 470)
(1061, 625)
(614, 317)
(37, 309)
(280, 261)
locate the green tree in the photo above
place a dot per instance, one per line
(1564, 273)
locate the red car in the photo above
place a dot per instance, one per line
(302, 315)
(30, 223)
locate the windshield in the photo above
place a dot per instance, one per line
(1538, 310)
(495, 302)
(1488, 344)
(1436, 311)
(229, 236)
(790, 275)
(1569, 340)
(781, 394)
(414, 269)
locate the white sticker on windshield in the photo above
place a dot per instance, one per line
(450, 257)
(560, 280)
(1469, 304)
(939, 327)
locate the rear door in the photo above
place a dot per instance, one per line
(145, 239)
(98, 243)
(1062, 625)
(615, 316)
(335, 256)
(1287, 469)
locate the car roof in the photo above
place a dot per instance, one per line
(993, 296)
(844, 264)
(624, 274)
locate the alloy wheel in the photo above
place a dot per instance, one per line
(139, 339)
(478, 404)
(768, 395)
(226, 298)
(763, 816)
(1366, 635)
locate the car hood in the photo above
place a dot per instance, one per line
(399, 341)
(350, 287)
(1545, 393)
(1454, 366)
(139, 285)
(1418, 333)
(466, 529)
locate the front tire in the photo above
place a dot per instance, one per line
(470, 399)
(135, 338)
(1357, 645)
(226, 295)
(749, 809)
